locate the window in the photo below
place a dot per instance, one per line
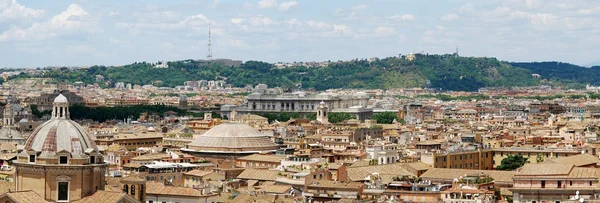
(63, 159)
(590, 183)
(132, 190)
(543, 184)
(558, 184)
(570, 183)
(92, 159)
(63, 191)
(126, 189)
(32, 158)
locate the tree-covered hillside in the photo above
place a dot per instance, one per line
(447, 72)
(563, 72)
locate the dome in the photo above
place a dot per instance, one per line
(233, 137)
(58, 135)
(60, 99)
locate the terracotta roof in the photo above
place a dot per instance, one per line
(160, 189)
(335, 184)
(199, 173)
(418, 166)
(543, 169)
(6, 186)
(579, 172)
(277, 189)
(577, 160)
(263, 158)
(449, 174)
(24, 196)
(134, 179)
(360, 173)
(102, 196)
(113, 184)
(258, 174)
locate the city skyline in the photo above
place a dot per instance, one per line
(88, 32)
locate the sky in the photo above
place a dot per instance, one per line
(37, 33)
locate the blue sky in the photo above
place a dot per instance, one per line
(109, 32)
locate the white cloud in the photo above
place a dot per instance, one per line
(293, 22)
(12, 9)
(449, 17)
(267, 3)
(360, 7)
(287, 5)
(195, 20)
(73, 19)
(384, 31)
(315, 24)
(543, 18)
(261, 21)
(589, 11)
(237, 21)
(342, 29)
(238, 43)
(532, 3)
(403, 17)
(113, 13)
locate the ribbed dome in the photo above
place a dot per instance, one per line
(233, 137)
(60, 99)
(60, 134)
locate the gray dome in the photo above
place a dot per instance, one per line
(60, 99)
(60, 135)
(233, 137)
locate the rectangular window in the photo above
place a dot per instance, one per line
(570, 183)
(558, 184)
(590, 183)
(63, 191)
(63, 159)
(92, 159)
(32, 158)
(543, 184)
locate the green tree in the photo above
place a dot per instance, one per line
(386, 117)
(338, 117)
(512, 162)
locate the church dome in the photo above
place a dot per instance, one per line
(233, 137)
(60, 99)
(60, 134)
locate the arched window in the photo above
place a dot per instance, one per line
(132, 190)
(126, 189)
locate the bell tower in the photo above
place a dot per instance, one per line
(322, 112)
(134, 186)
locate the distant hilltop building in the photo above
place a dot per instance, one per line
(588, 87)
(161, 64)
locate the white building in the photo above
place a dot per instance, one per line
(383, 153)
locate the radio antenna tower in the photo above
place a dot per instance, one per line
(209, 55)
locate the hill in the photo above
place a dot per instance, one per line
(447, 72)
(566, 73)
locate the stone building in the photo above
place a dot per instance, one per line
(60, 161)
(44, 102)
(355, 104)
